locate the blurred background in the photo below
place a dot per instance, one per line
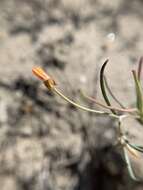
(45, 143)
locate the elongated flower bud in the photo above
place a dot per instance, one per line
(42, 75)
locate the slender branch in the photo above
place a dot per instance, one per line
(106, 106)
(80, 106)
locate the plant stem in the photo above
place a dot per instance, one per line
(82, 107)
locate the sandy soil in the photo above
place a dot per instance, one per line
(46, 144)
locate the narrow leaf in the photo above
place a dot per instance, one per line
(102, 85)
(132, 151)
(129, 167)
(136, 147)
(112, 95)
(139, 97)
(140, 68)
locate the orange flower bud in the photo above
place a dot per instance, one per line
(42, 75)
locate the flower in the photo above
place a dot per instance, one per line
(42, 75)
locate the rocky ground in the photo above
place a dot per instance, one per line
(46, 144)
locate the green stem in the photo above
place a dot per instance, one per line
(82, 107)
